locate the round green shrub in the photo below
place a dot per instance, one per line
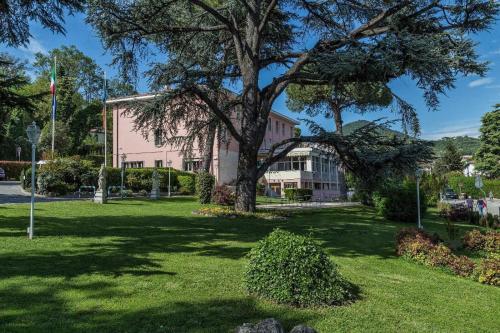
(398, 202)
(293, 269)
(204, 187)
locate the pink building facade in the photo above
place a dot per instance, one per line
(299, 169)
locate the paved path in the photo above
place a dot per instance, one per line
(11, 192)
(312, 204)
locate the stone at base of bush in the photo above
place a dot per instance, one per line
(271, 325)
(303, 329)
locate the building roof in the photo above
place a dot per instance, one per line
(146, 96)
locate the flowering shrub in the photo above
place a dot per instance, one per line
(231, 213)
(488, 242)
(461, 265)
(424, 248)
(473, 240)
(223, 196)
(489, 271)
(453, 212)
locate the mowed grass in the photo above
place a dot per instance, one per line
(142, 266)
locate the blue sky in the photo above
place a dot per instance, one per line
(459, 113)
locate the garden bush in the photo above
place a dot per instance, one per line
(293, 269)
(224, 196)
(64, 175)
(397, 202)
(205, 186)
(187, 184)
(424, 248)
(488, 242)
(14, 168)
(294, 194)
(488, 271)
(453, 212)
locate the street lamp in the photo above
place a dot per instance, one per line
(418, 174)
(124, 157)
(169, 164)
(33, 132)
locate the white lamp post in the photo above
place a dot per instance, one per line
(33, 132)
(124, 157)
(418, 175)
(169, 164)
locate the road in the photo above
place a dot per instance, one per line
(11, 192)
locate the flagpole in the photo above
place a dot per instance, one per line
(105, 125)
(53, 114)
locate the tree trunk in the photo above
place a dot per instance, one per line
(208, 149)
(337, 115)
(246, 184)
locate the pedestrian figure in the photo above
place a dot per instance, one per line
(481, 204)
(470, 204)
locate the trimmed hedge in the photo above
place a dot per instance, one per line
(467, 185)
(14, 168)
(205, 186)
(187, 184)
(295, 270)
(66, 175)
(298, 193)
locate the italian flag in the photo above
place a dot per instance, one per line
(53, 81)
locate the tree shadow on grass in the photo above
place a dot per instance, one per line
(44, 309)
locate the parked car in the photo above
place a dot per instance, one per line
(2, 174)
(449, 194)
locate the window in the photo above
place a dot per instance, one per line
(317, 186)
(299, 162)
(277, 128)
(192, 165)
(158, 137)
(269, 124)
(308, 185)
(292, 132)
(283, 129)
(158, 163)
(315, 164)
(134, 164)
(326, 186)
(290, 185)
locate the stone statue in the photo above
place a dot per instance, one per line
(102, 178)
(101, 194)
(155, 191)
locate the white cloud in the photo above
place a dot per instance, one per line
(493, 86)
(450, 131)
(481, 82)
(495, 52)
(34, 46)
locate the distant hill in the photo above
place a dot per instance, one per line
(351, 127)
(465, 144)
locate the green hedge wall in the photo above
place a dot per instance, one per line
(455, 180)
(14, 168)
(66, 175)
(298, 193)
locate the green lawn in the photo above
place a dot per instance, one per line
(141, 266)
